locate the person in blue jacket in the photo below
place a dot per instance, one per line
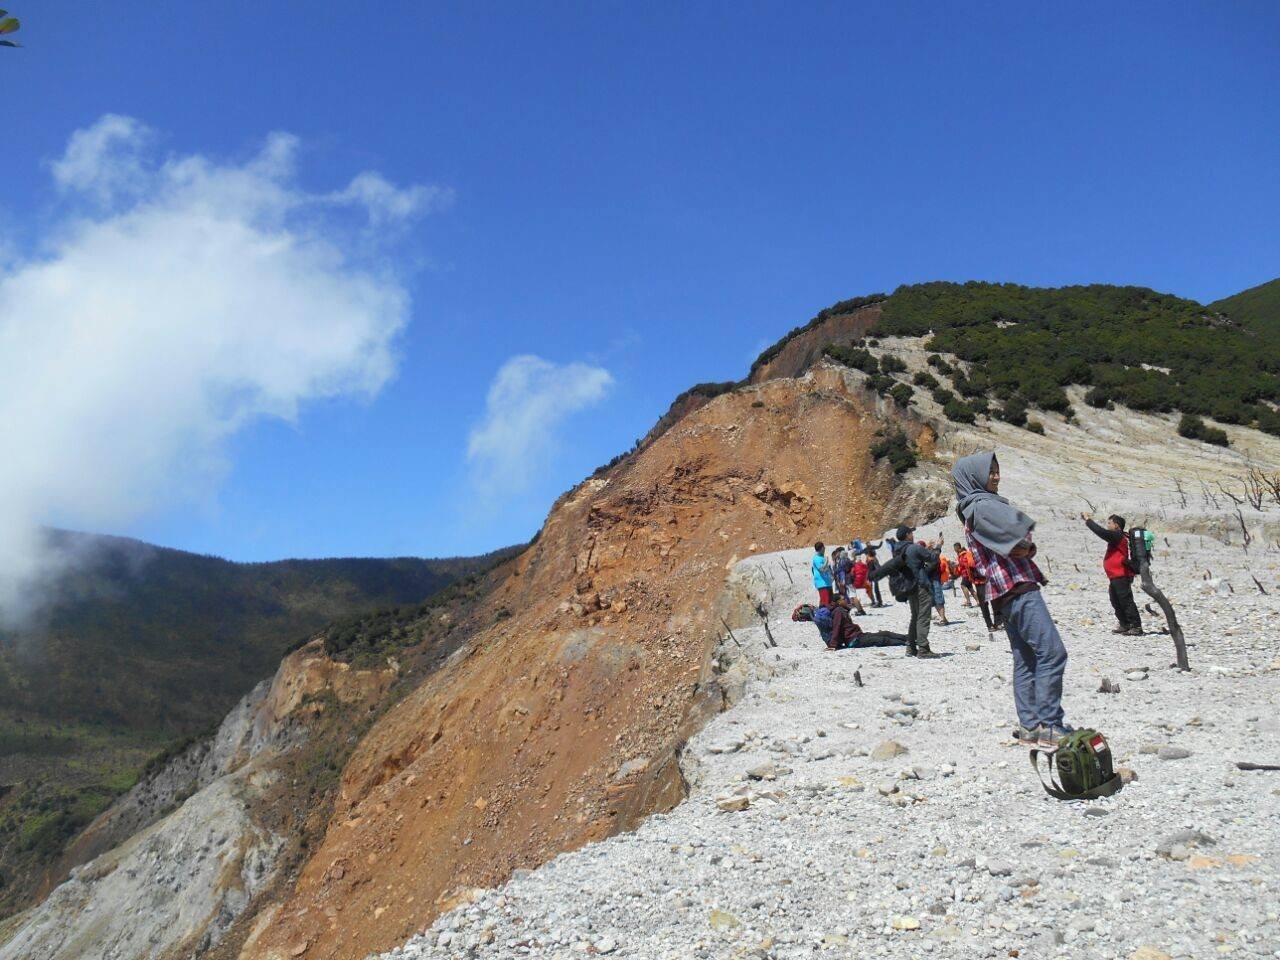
(821, 573)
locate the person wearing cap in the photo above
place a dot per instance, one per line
(917, 564)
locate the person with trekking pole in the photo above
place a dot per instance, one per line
(999, 537)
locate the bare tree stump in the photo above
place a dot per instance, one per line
(1155, 593)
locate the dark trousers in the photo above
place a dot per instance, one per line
(881, 638)
(1121, 593)
(981, 590)
(873, 586)
(921, 601)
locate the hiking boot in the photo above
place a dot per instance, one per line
(1123, 631)
(1027, 735)
(925, 653)
(1049, 736)
(911, 649)
(1134, 632)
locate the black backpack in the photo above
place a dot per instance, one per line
(901, 582)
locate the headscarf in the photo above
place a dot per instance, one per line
(996, 525)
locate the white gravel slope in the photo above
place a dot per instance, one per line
(971, 859)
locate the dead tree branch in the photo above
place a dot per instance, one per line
(1244, 530)
(1228, 493)
(1254, 489)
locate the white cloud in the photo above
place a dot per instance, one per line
(528, 401)
(103, 159)
(195, 297)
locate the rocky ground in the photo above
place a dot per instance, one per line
(895, 817)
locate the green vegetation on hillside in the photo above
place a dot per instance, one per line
(161, 641)
(140, 647)
(1257, 308)
(1024, 345)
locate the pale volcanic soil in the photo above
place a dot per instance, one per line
(951, 848)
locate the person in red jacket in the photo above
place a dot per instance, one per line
(860, 581)
(1115, 563)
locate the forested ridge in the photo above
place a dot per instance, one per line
(1022, 347)
(1257, 308)
(139, 649)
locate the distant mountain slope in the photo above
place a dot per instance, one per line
(1257, 308)
(140, 646)
(153, 639)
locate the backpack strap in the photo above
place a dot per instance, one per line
(1056, 790)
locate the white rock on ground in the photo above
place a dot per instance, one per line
(960, 853)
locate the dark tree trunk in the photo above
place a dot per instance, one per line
(1155, 593)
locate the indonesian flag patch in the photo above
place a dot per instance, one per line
(1098, 743)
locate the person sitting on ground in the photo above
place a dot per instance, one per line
(845, 633)
(821, 574)
(1003, 552)
(913, 564)
(1115, 563)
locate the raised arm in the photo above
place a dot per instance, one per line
(1111, 536)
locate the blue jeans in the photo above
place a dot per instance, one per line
(1039, 661)
(938, 598)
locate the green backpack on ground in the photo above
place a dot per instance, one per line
(1082, 763)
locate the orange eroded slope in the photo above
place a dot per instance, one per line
(599, 655)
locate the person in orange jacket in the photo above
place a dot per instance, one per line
(971, 582)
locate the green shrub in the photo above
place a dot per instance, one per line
(1014, 411)
(896, 447)
(959, 411)
(1196, 429)
(892, 363)
(1098, 397)
(1268, 420)
(1035, 426)
(881, 384)
(942, 396)
(926, 380)
(901, 394)
(854, 357)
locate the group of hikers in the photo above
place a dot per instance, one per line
(996, 571)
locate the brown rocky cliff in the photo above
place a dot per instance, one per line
(560, 724)
(804, 349)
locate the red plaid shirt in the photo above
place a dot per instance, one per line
(1002, 573)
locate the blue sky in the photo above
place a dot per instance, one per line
(649, 192)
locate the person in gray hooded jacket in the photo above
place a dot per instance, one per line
(999, 537)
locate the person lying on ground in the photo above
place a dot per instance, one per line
(999, 536)
(845, 633)
(1115, 563)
